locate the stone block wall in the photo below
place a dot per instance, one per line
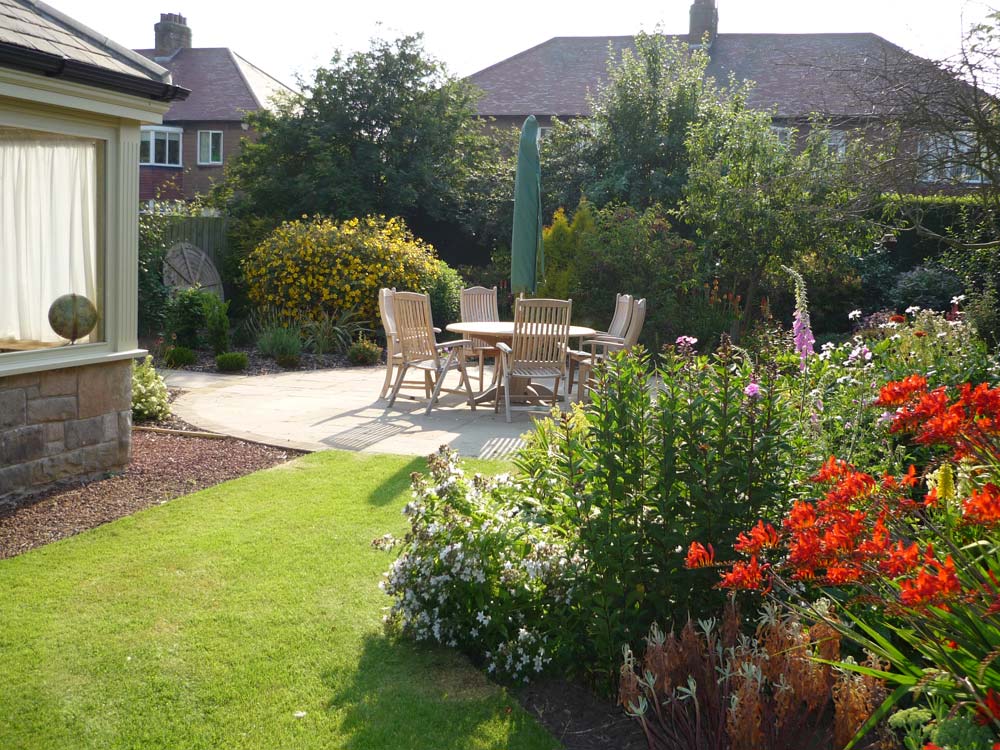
(63, 424)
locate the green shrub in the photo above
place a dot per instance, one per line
(216, 323)
(149, 392)
(364, 353)
(925, 286)
(231, 362)
(283, 343)
(332, 334)
(444, 285)
(179, 356)
(186, 316)
(153, 293)
(310, 266)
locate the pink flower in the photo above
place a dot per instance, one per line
(752, 390)
(686, 341)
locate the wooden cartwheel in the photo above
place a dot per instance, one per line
(186, 266)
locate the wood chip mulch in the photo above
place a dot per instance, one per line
(579, 719)
(258, 363)
(163, 467)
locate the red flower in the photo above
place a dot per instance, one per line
(931, 498)
(896, 393)
(983, 507)
(745, 575)
(802, 516)
(834, 468)
(989, 711)
(901, 559)
(843, 573)
(935, 582)
(699, 557)
(910, 479)
(761, 536)
(897, 318)
(920, 334)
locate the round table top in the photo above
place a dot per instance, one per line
(504, 329)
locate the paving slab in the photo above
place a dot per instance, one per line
(339, 409)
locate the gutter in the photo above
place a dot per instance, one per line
(56, 66)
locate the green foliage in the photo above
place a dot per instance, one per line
(231, 362)
(926, 286)
(364, 352)
(149, 393)
(179, 356)
(216, 314)
(153, 293)
(332, 334)
(632, 150)
(982, 310)
(382, 131)
(617, 249)
(444, 285)
(186, 316)
(282, 342)
(960, 733)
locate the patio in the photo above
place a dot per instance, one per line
(324, 409)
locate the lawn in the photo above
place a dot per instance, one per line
(243, 616)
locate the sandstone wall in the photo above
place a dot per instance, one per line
(63, 424)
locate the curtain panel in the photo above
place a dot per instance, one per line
(48, 230)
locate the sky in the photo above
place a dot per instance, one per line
(292, 37)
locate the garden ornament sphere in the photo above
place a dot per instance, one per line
(73, 316)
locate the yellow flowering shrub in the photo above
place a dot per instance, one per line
(314, 265)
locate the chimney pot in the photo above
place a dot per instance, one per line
(172, 33)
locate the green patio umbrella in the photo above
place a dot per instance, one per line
(526, 254)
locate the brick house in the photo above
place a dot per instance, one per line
(839, 76)
(186, 155)
(71, 106)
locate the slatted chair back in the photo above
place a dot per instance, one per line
(414, 326)
(637, 318)
(541, 333)
(479, 304)
(623, 313)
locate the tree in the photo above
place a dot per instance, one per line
(632, 150)
(385, 131)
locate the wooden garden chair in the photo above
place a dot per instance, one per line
(538, 349)
(479, 304)
(392, 356)
(599, 348)
(419, 350)
(616, 330)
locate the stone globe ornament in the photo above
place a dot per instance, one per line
(73, 317)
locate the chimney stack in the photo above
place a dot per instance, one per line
(173, 33)
(704, 20)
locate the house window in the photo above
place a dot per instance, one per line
(950, 158)
(51, 234)
(836, 142)
(783, 134)
(210, 147)
(160, 146)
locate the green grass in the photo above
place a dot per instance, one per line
(211, 621)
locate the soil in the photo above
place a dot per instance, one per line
(258, 363)
(162, 468)
(579, 719)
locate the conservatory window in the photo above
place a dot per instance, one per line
(51, 236)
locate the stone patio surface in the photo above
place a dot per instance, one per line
(323, 409)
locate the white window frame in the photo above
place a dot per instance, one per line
(222, 139)
(836, 142)
(783, 133)
(151, 131)
(117, 250)
(939, 148)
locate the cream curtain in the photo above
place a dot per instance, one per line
(48, 229)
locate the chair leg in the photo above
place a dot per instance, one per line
(427, 383)
(388, 378)
(482, 368)
(439, 381)
(506, 393)
(555, 392)
(468, 384)
(399, 384)
(572, 366)
(584, 377)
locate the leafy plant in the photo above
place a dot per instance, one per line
(332, 334)
(216, 313)
(284, 343)
(444, 286)
(179, 356)
(926, 286)
(232, 362)
(186, 316)
(149, 392)
(364, 353)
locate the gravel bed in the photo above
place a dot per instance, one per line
(163, 467)
(259, 364)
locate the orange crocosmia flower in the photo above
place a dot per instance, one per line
(841, 574)
(897, 318)
(804, 549)
(934, 582)
(699, 557)
(802, 516)
(745, 575)
(844, 532)
(898, 392)
(761, 536)
(920, 334)
(834, 468)
(878, 545)
(910, 479)
(931, 498)
(989, 710)
(983, 506)
(943, 427)
(902, 559)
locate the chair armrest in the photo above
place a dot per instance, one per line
(450, 344)
(605, 345)
(436, 329)
(605, 337)
(576, 354)
(504, 347)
